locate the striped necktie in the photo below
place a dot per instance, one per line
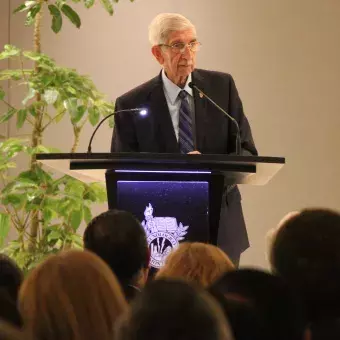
(185, 134)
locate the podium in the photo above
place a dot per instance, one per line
(176, 197)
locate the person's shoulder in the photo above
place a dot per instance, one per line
(209, 74)
(141, 91)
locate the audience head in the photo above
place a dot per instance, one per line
(243, 318)
(72, 295)
(8, 309)
(118, 238)
(327, 329)
(280, 315)
(196, 262)
(306, 253)
(8, 332)
(11, 277)
(170, 310)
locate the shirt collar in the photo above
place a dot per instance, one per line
(172, 90)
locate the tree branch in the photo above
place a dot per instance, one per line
(52, 120)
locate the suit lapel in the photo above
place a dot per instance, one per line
(200, 111)
(165, 134)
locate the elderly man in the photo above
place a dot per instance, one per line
(180, 120)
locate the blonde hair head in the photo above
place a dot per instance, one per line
(71, 296)
(196, 262)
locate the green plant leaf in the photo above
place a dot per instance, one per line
(32, 55)
(31, 93)
(94, 115)
(16, 200)
(76, 218)
(99, 192)
(2, 94)
(35, 10)
(4, 227)
(89, 3)
(7, 115)
(77, 241)
(57, 20)
(20, 8)
(108, 6)
(9, 51)
(21, 117)
(71, 106)
(87, 214)
(72, 15)
(75, 188)
(54, 235)
(32, 111)
(79, 114)
(29, 19)
(51, 96)
(30, 3)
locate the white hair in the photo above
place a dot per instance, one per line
(165, 23)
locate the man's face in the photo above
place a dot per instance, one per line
(177, 66)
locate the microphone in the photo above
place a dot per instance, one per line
(142, 112)
(238, 135)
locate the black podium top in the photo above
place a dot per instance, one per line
(238, 169)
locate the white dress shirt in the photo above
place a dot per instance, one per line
(171, 92)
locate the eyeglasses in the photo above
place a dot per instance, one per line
(180, 47)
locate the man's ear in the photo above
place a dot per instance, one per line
(157, 52)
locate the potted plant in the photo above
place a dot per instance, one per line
(44, 210)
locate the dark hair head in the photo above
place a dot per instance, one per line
(277, 307)
(8, 309)
(174, 310)
(8, 332)
(244, 321)
(306, 252)
(119, 239)
(328, 329)
(11, 276)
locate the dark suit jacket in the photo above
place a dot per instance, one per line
(215, 134)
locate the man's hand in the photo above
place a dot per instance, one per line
(194, 153)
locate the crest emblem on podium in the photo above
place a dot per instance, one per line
(163, 235)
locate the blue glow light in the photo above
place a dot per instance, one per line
(168, 182)
(143, 112)
(165, 171)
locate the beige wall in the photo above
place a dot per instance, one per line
(284, 56)
(4, 39)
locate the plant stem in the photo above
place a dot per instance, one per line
(37, 128)
(76, 132)
(52, 120)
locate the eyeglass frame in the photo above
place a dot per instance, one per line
(182, 50)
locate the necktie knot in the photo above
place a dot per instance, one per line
(183, 94)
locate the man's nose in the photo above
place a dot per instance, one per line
(187, 52)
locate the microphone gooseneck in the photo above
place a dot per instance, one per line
(89, 149)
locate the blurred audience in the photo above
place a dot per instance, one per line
(279, 313)
(305, 251)
(171, 310)
(8, 332)
(244, 321)
(326, 329)
(119, 239)
(11, 278)
(197, 263)
(71, 296)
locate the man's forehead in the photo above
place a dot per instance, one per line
(182, 36)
